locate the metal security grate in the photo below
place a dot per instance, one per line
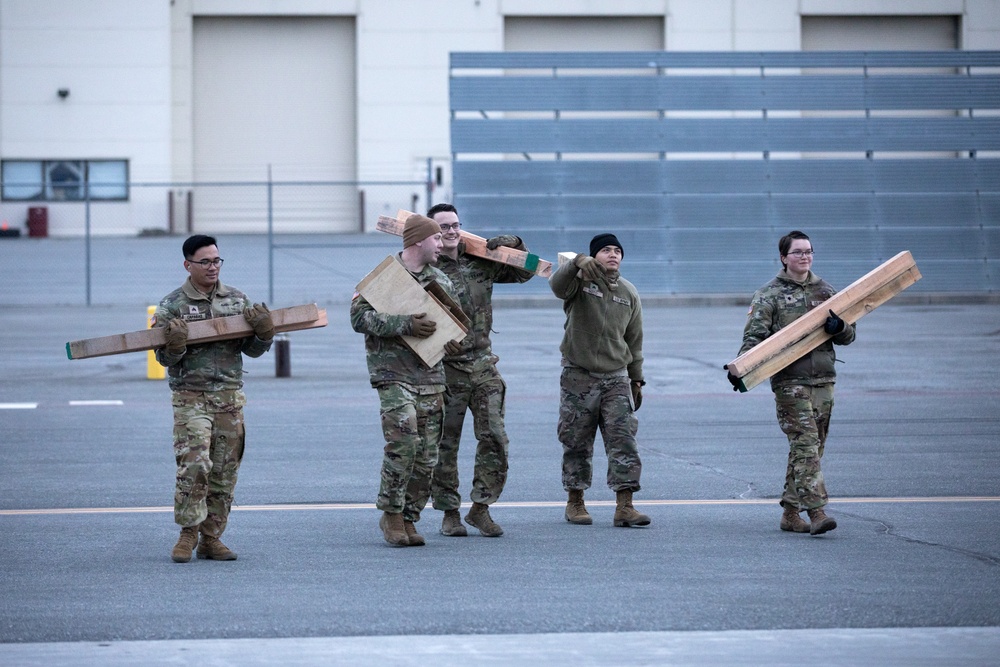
(699, 162)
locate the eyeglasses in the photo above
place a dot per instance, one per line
(205, 263)
(801, 253)
(454, 226)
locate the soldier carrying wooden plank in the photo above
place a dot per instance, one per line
(411, 392)
(803, 390)
(206, 381)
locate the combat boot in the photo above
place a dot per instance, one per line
(625, 514)
(479, 517)
(415, 538)
(393, 529)
(451, 525)
(212, 548)
(185, 544)
(576, 511)
(792, 522)
(820, 522)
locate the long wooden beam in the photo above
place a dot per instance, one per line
(295, 318)
(476, 246)
(806, 333)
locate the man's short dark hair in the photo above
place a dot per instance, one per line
(441, 208)
(195, 243)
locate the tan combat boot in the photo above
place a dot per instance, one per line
(792, 522)
(625, 514)
(479, 517)
(185, 544)
(212, 548)
(415, 538)
(821, 523)
(576, 511)
(451, 525)
(393, 529)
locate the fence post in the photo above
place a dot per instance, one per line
(86, 195)
(270, 237)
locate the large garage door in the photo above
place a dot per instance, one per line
(278, 93)
(583, 33)
(879, 33)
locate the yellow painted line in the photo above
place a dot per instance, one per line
(521, 504)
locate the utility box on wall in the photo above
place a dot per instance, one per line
(38, 221)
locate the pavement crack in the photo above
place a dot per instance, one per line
(751, 491)
(889, 529)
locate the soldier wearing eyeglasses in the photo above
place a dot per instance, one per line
(803, 390)
(206, 382)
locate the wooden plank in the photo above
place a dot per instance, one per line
(476, 246)
(295, 318)
(806, 333)
(390, 289)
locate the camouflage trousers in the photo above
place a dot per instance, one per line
(482, 393)
(586, 403)
(804, 416)
(411, 425)
(208, 446)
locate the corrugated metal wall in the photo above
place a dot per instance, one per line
(870, 153)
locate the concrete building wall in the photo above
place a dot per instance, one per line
(130, 68)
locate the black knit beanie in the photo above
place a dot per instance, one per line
(602, 240)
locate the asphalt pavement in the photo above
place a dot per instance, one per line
(909, 577)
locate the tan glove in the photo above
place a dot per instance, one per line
(177, 336)
(636, 386)
(421, 327)
(590, 268)
(507, 240)
(259, 317)
(452, 349)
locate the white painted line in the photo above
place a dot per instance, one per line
(97, 403)
(18, 406)
(520, 504)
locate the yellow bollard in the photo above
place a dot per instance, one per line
(154, 371)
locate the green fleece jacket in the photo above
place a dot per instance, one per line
(603, 331)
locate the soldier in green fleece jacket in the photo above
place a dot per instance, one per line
(601, 382)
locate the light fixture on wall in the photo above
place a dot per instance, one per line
(63, 93)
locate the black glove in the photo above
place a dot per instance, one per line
(636, 387)
(834, 325)
(733, 380)
(508, 240)
(177, 335)
(453, 349)
(421, 327)
(259, 317)
(590, 268)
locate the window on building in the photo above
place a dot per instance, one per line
(64, 180)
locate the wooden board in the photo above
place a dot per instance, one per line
(476, 246)
(390, 289)
(806, 333)
(296, 318)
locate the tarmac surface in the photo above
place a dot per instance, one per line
(911, 576)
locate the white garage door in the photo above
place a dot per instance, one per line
(279, 93)
(879, 33)
(583, 33)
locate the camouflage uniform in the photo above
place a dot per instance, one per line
(474, 384)
(602, 354)
(411, 398)
(206, 382)
(803, 390)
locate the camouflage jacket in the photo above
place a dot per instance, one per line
(473, 279)
(603, 331)
(778, 304)
(389, 359)
(207, 366)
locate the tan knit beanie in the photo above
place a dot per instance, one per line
(418, 227)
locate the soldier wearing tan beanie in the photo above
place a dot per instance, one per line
(418, 227)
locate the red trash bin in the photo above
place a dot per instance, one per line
(38, 221)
